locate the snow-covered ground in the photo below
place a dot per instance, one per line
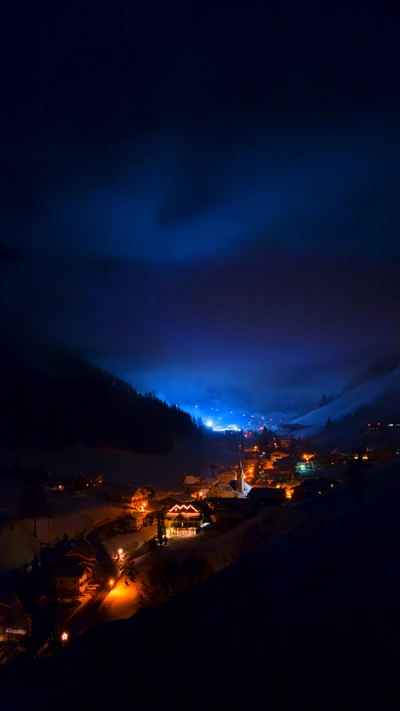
(75, 513)
(122, 601)
(72, 514)
(368, 393)
(128, 541)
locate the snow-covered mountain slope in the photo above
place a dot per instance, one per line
(383, 390)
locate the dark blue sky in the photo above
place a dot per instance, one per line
(204, 199)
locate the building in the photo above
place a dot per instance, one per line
(183, 519)
(226, 476)
(174, 499)
(277, 454)
(71, 482)
(195, 486)
(307, 467)
(127, 494)
(15, 626)
(134, 521)
(96, 479)
(68, 561)
(72, 578)
(221, 490)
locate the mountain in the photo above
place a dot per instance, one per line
(378, 369)
(378, 394)
(65, 400)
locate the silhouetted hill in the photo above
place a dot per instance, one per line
(64, 400)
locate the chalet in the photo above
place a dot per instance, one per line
(15, 625)
(173, 499)
(195, 486)
(127, 494)
(278, 454)
(71, 482)
(226, 476)
(221, 490)
(72, 578)
(183, 519)
(96, 479)
(80, 550)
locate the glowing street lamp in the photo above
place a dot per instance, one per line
(111, 582)
(120, 551)
(64, 637)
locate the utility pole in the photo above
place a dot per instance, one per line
(240, 478)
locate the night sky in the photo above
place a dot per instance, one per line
(204, 199)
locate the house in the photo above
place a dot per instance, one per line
(221, 490)
(183, 519)
(67, 554)
(305, 467)
(72, 578)
(133, 521)
(15, 625)
(170, 501)
(80, 550)
(226, 476)
(96, 479)
(127, 494)
(278, 454)
(71, 482)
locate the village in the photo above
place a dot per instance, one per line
(78, 581)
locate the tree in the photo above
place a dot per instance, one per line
(130, 575)
(329, 424)
(264, 440)
(33, 504)
(161, 530)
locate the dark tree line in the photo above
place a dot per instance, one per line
(79, 403)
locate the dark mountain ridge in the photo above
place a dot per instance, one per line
(61, 399)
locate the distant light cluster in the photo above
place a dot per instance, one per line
(218, 419)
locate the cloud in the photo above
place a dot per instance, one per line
(212, 206)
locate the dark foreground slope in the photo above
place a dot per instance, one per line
(315, 623)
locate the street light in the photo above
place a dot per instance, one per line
(111, 582)
(64, 636)
(120, 551)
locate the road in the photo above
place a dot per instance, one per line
(85, 616)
